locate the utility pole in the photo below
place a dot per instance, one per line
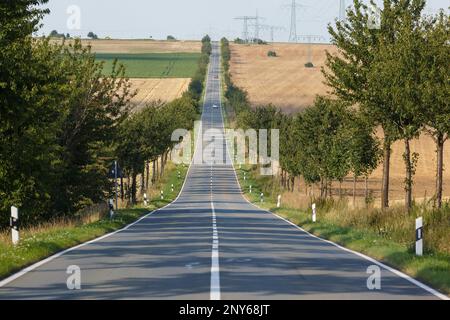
(245, 20)
(309, 40)
(257, 26)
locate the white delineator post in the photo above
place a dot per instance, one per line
(145, 200)
(162, 195)
(314, 213)
(14, 223)
(111, 208)
(419, 236)
(262, 197)
(250, 189)
(172, 187)
(279, 201)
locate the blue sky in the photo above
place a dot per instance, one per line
(190, 19)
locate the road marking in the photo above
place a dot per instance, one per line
(215, 268)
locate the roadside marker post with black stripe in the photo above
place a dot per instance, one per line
(279, 201)
(145, 200)
(314, 212)
(419, 236)
(111, 208)
(14, 224)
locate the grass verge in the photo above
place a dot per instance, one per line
(433, 268)
(43, 241)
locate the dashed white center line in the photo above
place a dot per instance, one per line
(215, 269)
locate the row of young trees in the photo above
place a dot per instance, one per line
(146, 135)
(398, 76)
(63, 122)
(394, 78)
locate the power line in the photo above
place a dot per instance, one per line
(245, 20)
(272, 30)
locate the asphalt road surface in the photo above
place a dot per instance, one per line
(211, 244)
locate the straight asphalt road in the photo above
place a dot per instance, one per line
(211, 244)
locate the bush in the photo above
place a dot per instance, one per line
(309, 65)
(271, 53)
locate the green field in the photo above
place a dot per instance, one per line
(154, 65)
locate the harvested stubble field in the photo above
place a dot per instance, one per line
(159, 70)
(164, 90)
(285, 82)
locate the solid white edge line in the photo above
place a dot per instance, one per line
(394, 271)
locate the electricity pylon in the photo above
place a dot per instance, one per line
(309, 40)
(246, 19)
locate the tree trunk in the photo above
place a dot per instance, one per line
(133, 188)
(439, 169)
(122, 195)
(154, 172)
(147, 176)
(409, 174)
(143, 182)
(293, 184)
(366, 191)
(386, 173)
(321, 188)
(157, 169)
(161, 172)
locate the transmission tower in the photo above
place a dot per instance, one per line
(293, 32)
(245, 20)
(342, 13)
(294, 6)
(309, 40)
